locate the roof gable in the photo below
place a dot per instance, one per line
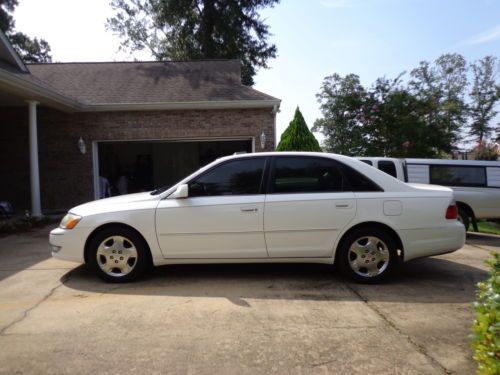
(9, 55)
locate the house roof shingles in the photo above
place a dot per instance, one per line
(147, 82)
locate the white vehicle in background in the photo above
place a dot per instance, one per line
(266, 208)
(475, 183)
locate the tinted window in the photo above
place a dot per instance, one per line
(457, 175)
(306, 175)
(388, 167)
(237, 177)
(369, 162)
(355, 181)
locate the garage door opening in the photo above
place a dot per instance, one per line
(126, 167)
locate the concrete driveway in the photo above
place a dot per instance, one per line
(57, 318)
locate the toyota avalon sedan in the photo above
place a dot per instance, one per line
(266, 208)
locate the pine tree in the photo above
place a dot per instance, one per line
(298, 137)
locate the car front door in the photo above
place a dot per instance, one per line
(222, 217)
(306, 207)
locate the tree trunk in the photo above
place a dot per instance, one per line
(207, 27)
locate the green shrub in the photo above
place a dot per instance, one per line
(486, 341)
(22, 224)
(298, 137)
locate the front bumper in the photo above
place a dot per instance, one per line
(68, 244)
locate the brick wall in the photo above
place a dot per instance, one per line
(66, 176)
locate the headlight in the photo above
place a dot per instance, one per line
(69, 221)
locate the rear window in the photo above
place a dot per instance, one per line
(457, 175)
(388, 167)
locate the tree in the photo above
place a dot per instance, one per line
(485, 93)
(30, 50)
(196, 29)
(384, 120)
(442, 85)
(486, 151)
(298, 137)
(341, 102)
(394, 124)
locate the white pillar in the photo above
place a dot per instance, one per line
(36, 209)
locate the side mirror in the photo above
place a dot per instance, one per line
(181, 192)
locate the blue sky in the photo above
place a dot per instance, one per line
(315, 38)
(371, 38)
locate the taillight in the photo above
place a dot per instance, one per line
(452, 212)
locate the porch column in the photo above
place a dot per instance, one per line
(36, 209)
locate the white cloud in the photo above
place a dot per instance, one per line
(487, 36)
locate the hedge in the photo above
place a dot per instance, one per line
(486, 339)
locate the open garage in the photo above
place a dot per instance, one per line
(134, 166)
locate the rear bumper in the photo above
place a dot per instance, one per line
(424, 242)
(68, 244)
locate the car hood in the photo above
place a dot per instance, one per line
(119, 203)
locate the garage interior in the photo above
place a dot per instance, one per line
(134, 166)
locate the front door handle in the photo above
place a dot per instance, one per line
(249, 209)
(343, 205)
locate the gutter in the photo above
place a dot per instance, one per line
(216, 104)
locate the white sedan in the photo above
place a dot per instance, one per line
(266, 208)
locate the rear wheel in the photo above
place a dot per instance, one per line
(463, 217)
(368, 255)
(118, 255)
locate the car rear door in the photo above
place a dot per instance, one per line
(306, 207)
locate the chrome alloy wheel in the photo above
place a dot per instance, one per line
(368, 256)
(116, 256)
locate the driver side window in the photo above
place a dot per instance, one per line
(235, 177)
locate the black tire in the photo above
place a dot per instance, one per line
(389, 251)
(464, 218)
(131, 241)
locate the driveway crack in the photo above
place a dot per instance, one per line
(26, 312)
(420, 348)
(480, 247)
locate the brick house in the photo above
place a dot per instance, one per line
(69, 129)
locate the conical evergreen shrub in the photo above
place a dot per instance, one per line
(298, 137)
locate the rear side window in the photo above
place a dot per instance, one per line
(357, 182)
(457, 175)
(236, 177)
(369, 162)
(305, 175)
(388, 167)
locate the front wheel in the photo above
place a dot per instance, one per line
(118, 255)
(368, 256)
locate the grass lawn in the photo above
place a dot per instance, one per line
(488, 227)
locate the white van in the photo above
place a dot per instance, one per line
(476, 183)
